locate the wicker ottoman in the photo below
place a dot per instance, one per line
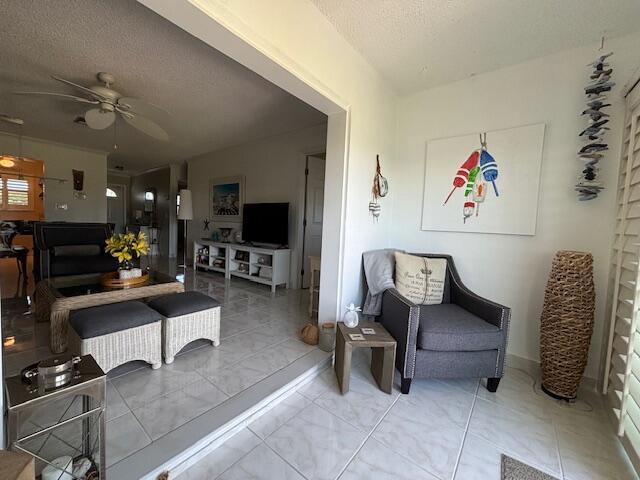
(117, 333)
(187, 316)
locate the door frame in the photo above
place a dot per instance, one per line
(302, 201)
(217, 26)
(125, 194)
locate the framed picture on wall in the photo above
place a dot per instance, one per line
(484, 182)
(226, 197)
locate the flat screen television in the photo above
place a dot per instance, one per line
(266, 223)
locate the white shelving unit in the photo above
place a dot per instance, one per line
(269, 266)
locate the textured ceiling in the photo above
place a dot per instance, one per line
(455, 39)
(214, 101)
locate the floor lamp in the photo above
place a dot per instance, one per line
(185, 212)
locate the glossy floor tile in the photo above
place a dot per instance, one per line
(261, 464)
(316, 442)
(259, 333)
(223, 457)
(442, 430)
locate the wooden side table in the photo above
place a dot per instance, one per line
(383, 354)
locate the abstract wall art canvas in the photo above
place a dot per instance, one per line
(226, 199)
(484, 182)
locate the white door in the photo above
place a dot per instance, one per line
(313, 213)
(116, 206)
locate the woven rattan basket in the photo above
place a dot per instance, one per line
(567, 323)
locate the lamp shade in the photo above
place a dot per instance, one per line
(185, 212)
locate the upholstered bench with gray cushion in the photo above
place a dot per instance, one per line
(117, 333)
(187, 316)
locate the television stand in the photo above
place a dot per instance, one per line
(265, 265)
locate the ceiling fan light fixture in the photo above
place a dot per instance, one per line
(98, 119)
(6, 161)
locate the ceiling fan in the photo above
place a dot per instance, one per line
(108, 103)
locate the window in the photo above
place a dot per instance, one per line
(178, 204)
(111, 193)
(16, 193)
(622, 373)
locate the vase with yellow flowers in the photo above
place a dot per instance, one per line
(126, 247)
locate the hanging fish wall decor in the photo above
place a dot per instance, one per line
(479, 168)
(588, 186)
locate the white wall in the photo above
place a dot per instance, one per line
(290, 43)
(513, 269)
(59, 160)
(273, 168)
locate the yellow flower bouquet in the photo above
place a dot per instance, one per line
(125, 247)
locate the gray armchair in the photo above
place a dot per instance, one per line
(465, 336)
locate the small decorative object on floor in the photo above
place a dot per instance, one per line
(512, 469)
(567, 323)
(327, 339)
(379, 190)
(350, 317)
(309, 334)
(125, 247)
(588, 186)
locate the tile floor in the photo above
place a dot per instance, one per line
(441, 430)
(258, 337)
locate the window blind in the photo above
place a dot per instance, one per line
(17, 192)
(622, 370)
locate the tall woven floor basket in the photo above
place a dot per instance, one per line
(567, 323)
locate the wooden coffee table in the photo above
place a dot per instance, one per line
(383, 354)
(56, 297)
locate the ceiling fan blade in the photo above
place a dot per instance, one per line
(97, 119)
(142, 107)
(13, 120)
(146, 126)
(62, 95)
(84, 89)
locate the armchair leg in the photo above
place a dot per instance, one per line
(405, 385)
(492, 384)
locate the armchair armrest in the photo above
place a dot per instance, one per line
(401, 317)
(491, 312)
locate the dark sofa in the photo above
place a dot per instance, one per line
(66, 248)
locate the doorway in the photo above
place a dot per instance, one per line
(313, 213)
(117, 206)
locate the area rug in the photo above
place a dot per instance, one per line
(512, 469)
